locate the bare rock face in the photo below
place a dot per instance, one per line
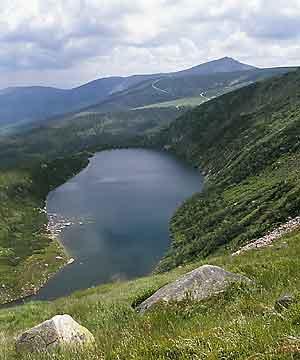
(199, 284)
(61, 330)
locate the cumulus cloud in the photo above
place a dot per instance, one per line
(66, 42)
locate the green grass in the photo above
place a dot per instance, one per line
(239, 324)
(25, 248)
(193, 101)
(182, 102)
(27, 252)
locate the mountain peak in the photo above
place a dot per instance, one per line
(227, 58)
(225, 64)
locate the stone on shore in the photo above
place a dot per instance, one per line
(199, 284)
(61, 330)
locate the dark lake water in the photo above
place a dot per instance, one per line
(120, 206)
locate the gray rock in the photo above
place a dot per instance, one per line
(61, 330)
(284, 302)
(199, 284)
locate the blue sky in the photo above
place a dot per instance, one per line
(68, 42)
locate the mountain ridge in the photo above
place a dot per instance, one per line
(225, 59)
(37, 103)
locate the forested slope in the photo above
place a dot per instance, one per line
(248, 145)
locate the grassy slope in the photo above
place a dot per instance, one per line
(182, 102)
(248, 144)
(27, 252)
(194, 101)
(239, 324)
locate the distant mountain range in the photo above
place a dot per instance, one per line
(19, 105)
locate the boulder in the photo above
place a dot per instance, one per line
(61, 330)
(284, 302)
(199, 284)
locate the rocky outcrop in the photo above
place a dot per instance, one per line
(61, 330)
(268, 239)
(284, 302)
(199, 284)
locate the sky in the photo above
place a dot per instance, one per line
(65, 43)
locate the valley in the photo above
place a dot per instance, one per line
(41, 150)
(119, 196)
(243, 136)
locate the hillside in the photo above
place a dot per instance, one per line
(82, 131)
(247, 144)
(238, 324)
(188, 84)
(25, 244)
(26, 104)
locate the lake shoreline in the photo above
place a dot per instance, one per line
(56, 245)
(29, 292)
(56, 225)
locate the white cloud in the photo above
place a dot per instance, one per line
(66, 42)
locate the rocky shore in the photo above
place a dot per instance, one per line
(57, 223)
(47, 268)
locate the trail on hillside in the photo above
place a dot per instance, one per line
(157, 88)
